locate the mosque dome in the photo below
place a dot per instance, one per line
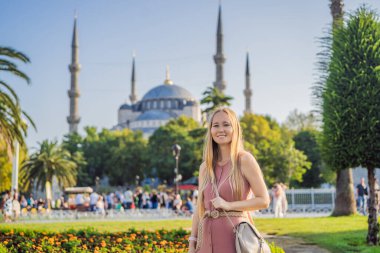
(168, 91)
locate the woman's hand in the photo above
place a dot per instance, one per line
(220, 203)
(191, 247)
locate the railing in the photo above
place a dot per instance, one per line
(308, 201)
(301, 202)
(108, 214)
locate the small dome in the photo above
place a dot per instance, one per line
(168, 91)
(155, 115)
(125, 107)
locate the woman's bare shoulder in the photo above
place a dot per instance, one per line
(246, 157)
(248, 162)
(202, 168)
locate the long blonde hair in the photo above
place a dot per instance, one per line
(211, 156)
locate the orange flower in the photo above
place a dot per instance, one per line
(103, 244)
(119, 240)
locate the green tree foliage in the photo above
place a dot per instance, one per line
(12, 127)
(128, 157)
(73, 143)
(274, 149)
(351, 102)
(298, 121)
(6, 167)
(119, 155)
(306, 141)
(213, 98)
(182, 131)
(48, 162)
(345, 199)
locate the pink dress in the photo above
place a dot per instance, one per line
(218, 236)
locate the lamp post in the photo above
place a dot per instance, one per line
(137, 180)
(176, 152)
(15, 168)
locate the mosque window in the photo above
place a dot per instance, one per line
(167, 103)
(175, 104)
(154, 104)
(162, 105)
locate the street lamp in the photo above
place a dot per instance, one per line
(176, 152)
(15, 168)
(137, 180)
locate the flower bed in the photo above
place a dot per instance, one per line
(90, 240)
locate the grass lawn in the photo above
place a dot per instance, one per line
(345, 234)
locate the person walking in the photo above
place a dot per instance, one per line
(226, 177)
(362, 193)
(277, 197)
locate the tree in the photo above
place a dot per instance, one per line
(298, 121)
(306, 141)
(50, 161)
(12, 127)
(6, 167)
(128, 159)
(214, 98)
(350, 102)
(73, 142)
(345, 200)
(184, 132)
(274, 149)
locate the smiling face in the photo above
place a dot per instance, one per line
(221, 128)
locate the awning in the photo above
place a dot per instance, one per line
(188, 187)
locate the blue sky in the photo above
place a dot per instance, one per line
(281, 37)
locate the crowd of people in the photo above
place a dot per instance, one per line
(12, 204)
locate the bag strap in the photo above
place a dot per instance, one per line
(225, 213)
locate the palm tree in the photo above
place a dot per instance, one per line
(50, 161)
(214, 98)
(12, 127)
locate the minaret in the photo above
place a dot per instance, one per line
(133, 96)
(247, 91)
(219, 56)
(73, 119)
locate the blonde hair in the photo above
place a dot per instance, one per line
(211, 156)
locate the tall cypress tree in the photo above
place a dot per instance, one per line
(351, 102)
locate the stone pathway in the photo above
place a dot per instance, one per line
(294, 245)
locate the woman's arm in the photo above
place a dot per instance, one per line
(195, 223)
(252, 172)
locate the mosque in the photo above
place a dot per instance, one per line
(160, 104)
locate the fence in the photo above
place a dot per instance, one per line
(309, 200)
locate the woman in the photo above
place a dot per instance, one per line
(277, 197)
(233, 172)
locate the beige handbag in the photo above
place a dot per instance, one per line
(249, 240)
